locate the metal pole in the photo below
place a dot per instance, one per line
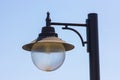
(93, 46)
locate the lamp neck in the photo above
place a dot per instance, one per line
(47, 32)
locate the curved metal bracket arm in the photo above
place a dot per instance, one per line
(48, 23)
(83, 42)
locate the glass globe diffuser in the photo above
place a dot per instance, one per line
(48, 56)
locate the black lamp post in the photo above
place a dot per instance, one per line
(48, 42)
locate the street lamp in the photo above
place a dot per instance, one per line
(48, 51)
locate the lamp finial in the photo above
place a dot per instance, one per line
(48, 20)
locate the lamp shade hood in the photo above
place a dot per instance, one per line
(51, 39)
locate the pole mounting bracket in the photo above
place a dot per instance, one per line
(49, 23)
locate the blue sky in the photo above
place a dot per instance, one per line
(21, 22)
